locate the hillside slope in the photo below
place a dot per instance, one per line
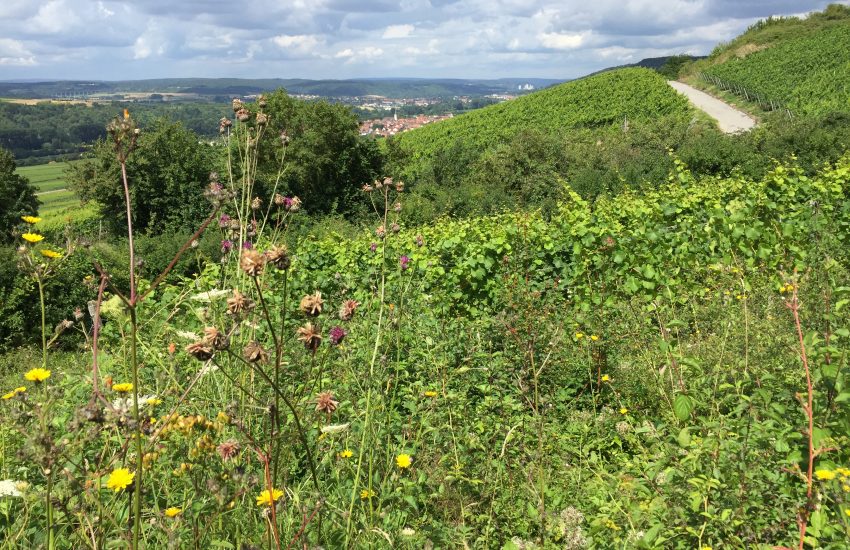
(799, 64)
(606, 99)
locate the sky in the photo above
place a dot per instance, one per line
(123, 40)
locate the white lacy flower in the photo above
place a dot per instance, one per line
(210, 295)
(9, 488)
(335, 428)
(188, 335)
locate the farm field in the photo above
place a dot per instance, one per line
(59, 205)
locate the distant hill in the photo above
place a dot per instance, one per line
(802, 64)
(604, 99)
(223, 88)
(655, 63)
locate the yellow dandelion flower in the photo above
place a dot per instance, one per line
(13, 393)
(123, 387)
(222, 417)
(579, 335)
(153, 401)
(9, 395)
(346, 454)
(366, 493)
(31, 219)
(825, 474)
(430, 393)
(606, 378)
(403, 461)
(173, 511)
(37, 375)
(32, 237)
(845, 488)
(52, 254)
(266, 498)
(624, 410)
(594, 337)
(843, 471)
(120, 479)
(20, 389)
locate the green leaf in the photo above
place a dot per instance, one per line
(684, 438)
(682, 406)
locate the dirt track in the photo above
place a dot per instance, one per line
(728, 118)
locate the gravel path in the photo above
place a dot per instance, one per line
(729, 119)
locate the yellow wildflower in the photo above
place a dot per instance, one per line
(52, 254)
(843, 471)
(20, 389)
(430, 393)
(123, 387)
(13, 393)
(120, 479)
(9, 395)
(366, 493)
(623, 410)
(403, 461)
(346, 454)
(172, 511)
(847, 511)
(594, 337)
(579, 335)
(266, 498)
(32, 237)
(153, 401)
(31, 219)
(606, 378)
(825, 474)
(37, 375)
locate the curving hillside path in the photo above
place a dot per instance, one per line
(729, 119)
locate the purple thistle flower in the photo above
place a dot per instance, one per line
(337, 335)
(404, 261)
(226, 246)
(247, 245)
(373, 247)
(287, 202)
(224, 221)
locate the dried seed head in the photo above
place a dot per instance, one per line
(388, 181)
(256, 203)
(243, 115)
(378, 184)
(397, 207)
(381, 232)
(261, 100)
(262, 119)
(278, 256)
(367, 188)
(399, 186)
(346, 312)
(200, 351)
(254, 353)
(420, 241)
(228, 449)
(215, 339)
(252, 263)
(294, 204)
(311, 336)
(326, 403)
(279, 199)
(312, 304)
(237, 104)
(395, 228)
(284, 138)
(224, 124)
(239, 303)
(78, 313)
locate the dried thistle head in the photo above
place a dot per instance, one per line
(261, 101)
(228, 449)
(399, 186)
(239, 303)
(326, 403)
(294, 204)
(237, 104)
(311, 336)
(256, 203)
(252, 263)
(381, 232)
(395, 228)
(278, 256)
(262, 119)
(367, 188)
(254, 353)
(224, 124)
(312, 304)
(279, 200)
(243, 115)
(215, 339)
(200, 351)
(346, 311)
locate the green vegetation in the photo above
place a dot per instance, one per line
(17, 194)
(797, 64)
(603, 100)
(584, 319)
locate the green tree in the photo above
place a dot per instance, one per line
(168, 173)
(17, 196)
(326, 160)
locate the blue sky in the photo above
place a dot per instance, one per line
(116, 40)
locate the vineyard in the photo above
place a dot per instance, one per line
(607, 99)
(808, 75)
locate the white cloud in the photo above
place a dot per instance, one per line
(13, 53)
(398, 31)
(53, 17)
(342, 54)
(299, 43)
(370, 52)
(562, 41)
